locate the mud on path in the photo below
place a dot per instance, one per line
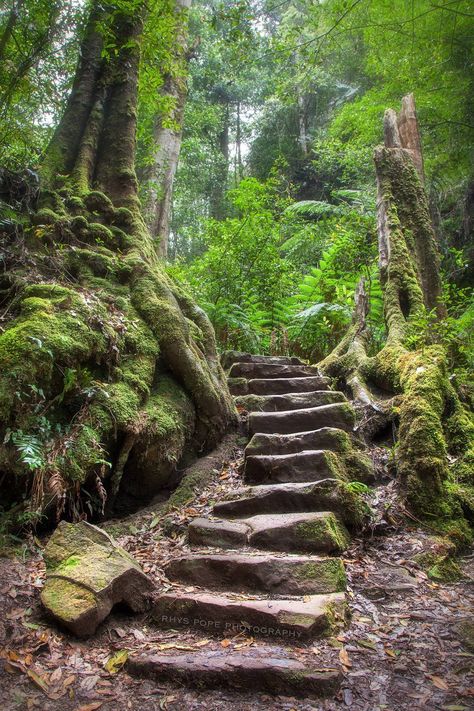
(407, 646)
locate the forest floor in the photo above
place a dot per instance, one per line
(404, 648)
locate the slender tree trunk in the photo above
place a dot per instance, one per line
(168, 133)
(216, 202)
(9, 27)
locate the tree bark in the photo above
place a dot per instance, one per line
(108, 371)
(168, 133)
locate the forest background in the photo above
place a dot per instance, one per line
(273, 215)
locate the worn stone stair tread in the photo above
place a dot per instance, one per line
(308, 532)
(271, 370)
(277, 386)
(299, 467)
(228, 358)
(284, 498)
(338, 415)
(289, 401)
(315, 615)
(318, 439)
(289, 575)
(270, 672)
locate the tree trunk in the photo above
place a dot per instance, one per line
(404, 383)
(218, 190)
(108, 371)
(168, 133)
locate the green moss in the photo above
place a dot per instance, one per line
(329, 573)
(46, 216)
(67, 600)
(97, 202)
(324, 530)
(439, 566)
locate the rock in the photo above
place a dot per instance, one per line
(271, 370)
(228, 358)
(270, 672)
(305, 466)
(465, 630)
(284, 498)
(315, 532)
(289, 401)
(316, 615)
(221, 534)
(87, 573)
(289, 575)
(277, 386)
(311, 440)
(339, 415)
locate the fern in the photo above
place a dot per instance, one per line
(30, 449)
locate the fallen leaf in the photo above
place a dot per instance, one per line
(172, 645)
(90, 707)
(225, 643)
(344, 658)
(56, 675)
(367, 643)
(116, 661)
(202, 643)
(439, 683)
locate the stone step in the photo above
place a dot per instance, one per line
(228, 358)
(290, 401)
(326, 495)
(330, 438)
(312, 532)
(289, 620)
(284, 575)
(269, 672)
(338, 415)
(305, 466)
(277, 386)
(271, 370)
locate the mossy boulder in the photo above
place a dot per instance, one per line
(87, 573)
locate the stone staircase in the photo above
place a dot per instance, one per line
(267, 562)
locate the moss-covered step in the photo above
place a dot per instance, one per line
(339, 415)
(278, 575)
(277, 386)
(321, 438)
(271, 370)
(305, 466)
(270, 672)
(228, 358)
(290, 401)
(289, 620)
(87, 573)
(311, 532)
(326, 495)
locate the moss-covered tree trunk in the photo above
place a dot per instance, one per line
(108, 371)
(404, 383)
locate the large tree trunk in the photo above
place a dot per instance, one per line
(168, 133)
(108, 371)
(404, 384)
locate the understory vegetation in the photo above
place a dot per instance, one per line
(109, 362)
